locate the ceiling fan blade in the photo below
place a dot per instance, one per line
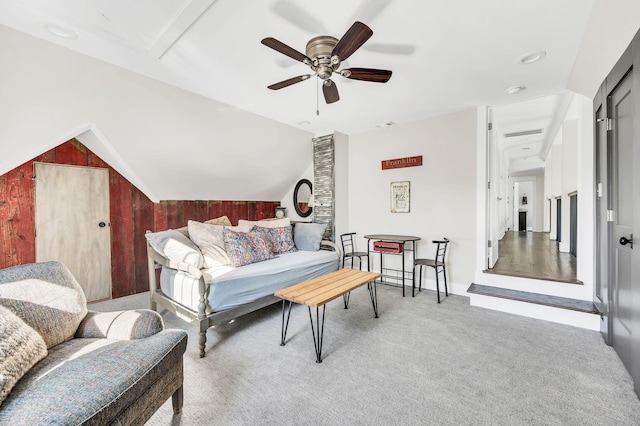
(367, 74)
(352, 40)
(284, 49)
(330, 91)
(289, 82)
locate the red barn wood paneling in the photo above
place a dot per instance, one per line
(72, 153)
(122, 234)
(131, 214)
(143, 221)
(17, 220)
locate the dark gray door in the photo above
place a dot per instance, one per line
(620, 190)
(621, 111)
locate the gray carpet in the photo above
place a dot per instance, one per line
(420, 363)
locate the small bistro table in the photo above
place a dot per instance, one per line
(321, 290)
(401, 242)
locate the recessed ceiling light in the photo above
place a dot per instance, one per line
(515, 89)
(59, 31)
(304, 123)
(530, 58)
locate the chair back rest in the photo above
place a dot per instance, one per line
(348, 245)
(441, 249)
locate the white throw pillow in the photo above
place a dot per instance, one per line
(210, 239)
(175, 246)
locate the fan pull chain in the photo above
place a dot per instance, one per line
(317, 97)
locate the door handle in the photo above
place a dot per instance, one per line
(624, 241)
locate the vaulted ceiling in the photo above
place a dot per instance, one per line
(445, 56)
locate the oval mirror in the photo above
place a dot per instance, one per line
(301, 196)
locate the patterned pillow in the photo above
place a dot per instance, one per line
(20, 348)
(280, 239)
(244, 248)
(247, 225)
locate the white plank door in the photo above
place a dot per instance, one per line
(72, 223)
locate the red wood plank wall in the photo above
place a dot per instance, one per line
(132, 213)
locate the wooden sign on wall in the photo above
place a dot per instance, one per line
(402, 162)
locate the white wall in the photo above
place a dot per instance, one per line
(611, 28)
(586, 196)
(570, 165)
(193, 147)
(443, 189)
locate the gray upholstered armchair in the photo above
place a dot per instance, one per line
(62, 364)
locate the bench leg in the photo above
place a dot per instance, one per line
(202, 336)
(176, 400)
(373, 292)
(285, 326)
(317, 331)
(346, 299)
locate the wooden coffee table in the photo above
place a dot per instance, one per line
(318, 291)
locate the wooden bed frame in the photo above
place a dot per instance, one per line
(204, 317)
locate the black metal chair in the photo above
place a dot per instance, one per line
(348, 251)
(438, 264)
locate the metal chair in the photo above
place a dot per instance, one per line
(348, 250)
(438, 264)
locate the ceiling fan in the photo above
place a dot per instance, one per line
(324, 55)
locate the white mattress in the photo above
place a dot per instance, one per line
(231, 287)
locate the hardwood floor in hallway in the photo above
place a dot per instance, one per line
(534, 255)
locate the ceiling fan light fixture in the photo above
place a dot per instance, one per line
(324, 55)
(515, 89)
(530, 58)
(387, 124)
(60, 31)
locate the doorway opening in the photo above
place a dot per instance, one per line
(533, 151)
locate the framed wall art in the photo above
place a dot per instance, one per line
(400, 197)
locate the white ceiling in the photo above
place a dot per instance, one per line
(445, 55)
(540, 118)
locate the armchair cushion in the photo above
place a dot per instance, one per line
(20, 348)
(122, 325)
(47, 297)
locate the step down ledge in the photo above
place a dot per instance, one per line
(536, 298)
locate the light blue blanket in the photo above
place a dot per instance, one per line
(231, 287)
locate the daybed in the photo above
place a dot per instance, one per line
(61, 364)
(212, 272)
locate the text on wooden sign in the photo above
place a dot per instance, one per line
(402, 162)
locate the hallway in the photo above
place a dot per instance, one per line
(534, 255)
